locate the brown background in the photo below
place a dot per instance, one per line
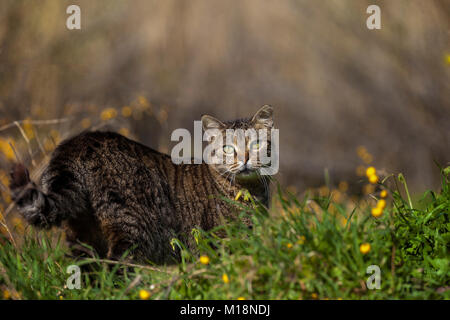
(335, 84)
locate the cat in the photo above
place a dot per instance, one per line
(117, 195)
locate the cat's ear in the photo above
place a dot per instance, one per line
(263, 118)
(209, 122)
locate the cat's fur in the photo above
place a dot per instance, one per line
(115, 194)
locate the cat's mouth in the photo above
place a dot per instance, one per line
(246, 172)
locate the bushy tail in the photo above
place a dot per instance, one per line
(36, 207)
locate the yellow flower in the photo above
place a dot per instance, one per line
(377, 212)
(143, 102)
(371, 171)
(144, 294)
(6, 149)
(383, 194)
(314, 296)
(289, 245)
(127, 111)
(61, 298)
(204, 260)
(6, 294)
(225, 278)
(241, 298)
(364, 248)
(301, 240)
(381, 203)
(373, 179)
(109, 113)
(238, 195)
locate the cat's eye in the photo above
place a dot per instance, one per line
(255, 145)
(228, 149)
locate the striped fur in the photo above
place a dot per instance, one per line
(115, 194)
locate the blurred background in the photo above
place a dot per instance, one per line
(345, 97)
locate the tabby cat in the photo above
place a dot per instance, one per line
(117, 195)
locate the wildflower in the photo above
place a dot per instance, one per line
(107, 114)
(144, 294)
(225, 278)
(377, 212)
(6, 294)
(6, 149)
(371, 171)
(289, 245)
(383, 194)
(127, 111)
(364, 248)
(373, 179)
(381, 203)
(241, 298)
(204, 260)
(143, 102)
(301, 240)
(314, 295)
(61, 298)
(336, 196)
(238, 195)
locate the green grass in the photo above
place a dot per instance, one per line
(292, 252)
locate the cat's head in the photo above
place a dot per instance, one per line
(239, 154)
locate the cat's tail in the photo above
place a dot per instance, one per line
(35, 206)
